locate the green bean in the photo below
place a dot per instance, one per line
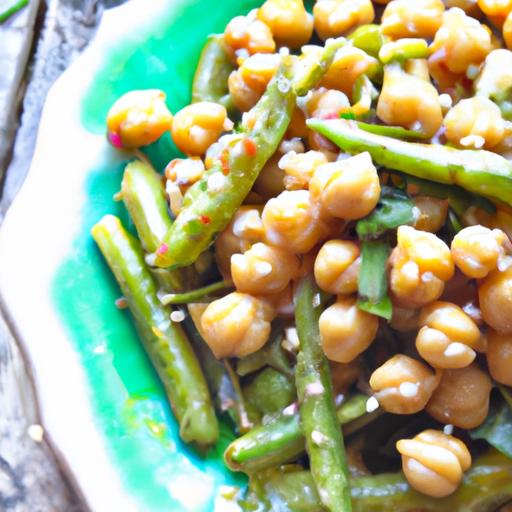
(307, 76)
(403, 49)
(281, 439)
(212, 73)
(271, 354)
(219, 383)
(459, 199)
(198, 295)
(208, 209)
(478, 171)
(397, 132)
(164, 341)
(143, 195)
(324, 440)
(368, 38)
(486, 487)
(269, 391)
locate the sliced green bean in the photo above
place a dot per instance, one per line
(208, 209)
(478, 171)
(486, 487)
(202, 294)
(403, 49)
(281, 440)
(324, 440)
(368, 38)
(212, 73)
(164, 341)
(143, 195)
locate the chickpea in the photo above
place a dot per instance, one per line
(343, 375)
(263, 269)
(417, 68)
(403, 18)
(245, 229)
(434, 462)
(347, 189)
(334, 18)
(432, 213)
(507, 30)
(495, 8)
(297, 126)
(448, 336)
(197, 126)
(181, 174)
(495, 79)
(288, 20)
(348, 65)
(346, 331)
(282, 302)
(248, 83)
(420, 265)
(236, 325)
(499, 357)
(495, 294)
(317, 142)
(242, 32)
(299, 168)
(462, 397)
(461, 42)
(328, 103)
(403, 385)
(408, 101)
(270, 181)
(477, 250)
(257, 70)
(470, 7)
(475, 122)
(184, 172)
(243, 97)
(337, 267)
(138, 118)
(292, 221)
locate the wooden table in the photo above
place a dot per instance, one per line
(36, 45)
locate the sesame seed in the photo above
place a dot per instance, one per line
(408, 389)
(263, 268)
(448, 429)
(314, 389)
(372, 404)
(177, 316)
(121, 303)
(454, 349)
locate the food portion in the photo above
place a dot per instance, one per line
(328, 263)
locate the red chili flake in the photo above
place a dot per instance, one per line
(204, 219)
(331, 115)
(121, 303)
(162, 249)
(224, 161)
(250, 146)
(115, 140)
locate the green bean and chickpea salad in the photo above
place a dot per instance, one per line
(330, 263)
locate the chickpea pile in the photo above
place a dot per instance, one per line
(449, 282)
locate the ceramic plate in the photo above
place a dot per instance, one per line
(101, 403)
